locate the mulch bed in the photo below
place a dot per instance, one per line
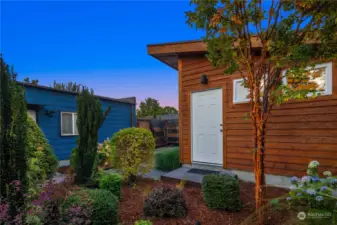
(132, 201)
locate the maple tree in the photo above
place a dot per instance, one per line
(268, 42)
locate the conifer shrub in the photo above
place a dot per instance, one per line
(168, 160)
(221, 191)
(134, 151)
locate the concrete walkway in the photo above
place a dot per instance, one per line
(183, 173)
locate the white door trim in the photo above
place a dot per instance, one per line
(192, 131)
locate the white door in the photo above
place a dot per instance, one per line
(32, 114)
(207, 136)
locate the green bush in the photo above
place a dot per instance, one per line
(103, 205)
(221, 192)
(143, 222)
(42, 161)
(111, 182)
(134, 151)
(165, 201)
(168, 160)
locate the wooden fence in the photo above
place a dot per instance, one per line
(166, 132)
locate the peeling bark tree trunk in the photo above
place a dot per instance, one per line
(259, 174)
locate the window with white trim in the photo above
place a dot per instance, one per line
(68, 124)
(240, 93)
(319, 79)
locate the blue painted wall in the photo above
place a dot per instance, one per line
(118, 118)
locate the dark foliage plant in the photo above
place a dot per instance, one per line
(89, 119)
(13, 128)
(168, 160)
(221, 192)
(165, 201)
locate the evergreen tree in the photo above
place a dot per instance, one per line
(13, 116)
(89, 119)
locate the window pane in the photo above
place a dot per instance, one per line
(316, 80)
(67, 124)
(75, 121)
(241, 93)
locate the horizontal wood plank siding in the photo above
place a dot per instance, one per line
(297, 131)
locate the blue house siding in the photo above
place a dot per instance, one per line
(122, 115)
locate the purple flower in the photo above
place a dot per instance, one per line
(288, 199)
(299, 194)
(324, 188)
(294, 179)
(315, 179)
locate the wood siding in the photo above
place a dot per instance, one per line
(297, 132)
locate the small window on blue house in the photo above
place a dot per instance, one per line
(68, 124)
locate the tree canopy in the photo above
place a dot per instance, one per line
(70, 86)
(151, 107)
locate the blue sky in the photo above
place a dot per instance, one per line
(99, 44)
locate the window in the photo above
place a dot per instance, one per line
(68, 124)
(319, 78)
(240, 93)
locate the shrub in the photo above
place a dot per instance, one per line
(134, 151)
(314, 193)
(105, 155)
(221, 192)
(143, 222)
(165, 202)
(89, 119)
(101, 205)
(42, 162)
(168, 160)
(111, 182)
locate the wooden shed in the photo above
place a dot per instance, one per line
(213, 124)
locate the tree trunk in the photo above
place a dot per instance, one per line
(259, 173)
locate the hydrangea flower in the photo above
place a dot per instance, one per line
(313, 164)
(319, 198)
(299, 194)
(327, 173)
(311, 191)
(333, 181)
(306, 179)
(294, 179)
(288, 199)
(315, 179)
(324, 188)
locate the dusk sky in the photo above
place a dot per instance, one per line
(99, 44)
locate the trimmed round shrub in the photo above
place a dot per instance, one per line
(143, 222)
(134, 151)
(168, 160)
(111, 182)
(221, 192)
(165, 201)
(42, 162)
(101, 206)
